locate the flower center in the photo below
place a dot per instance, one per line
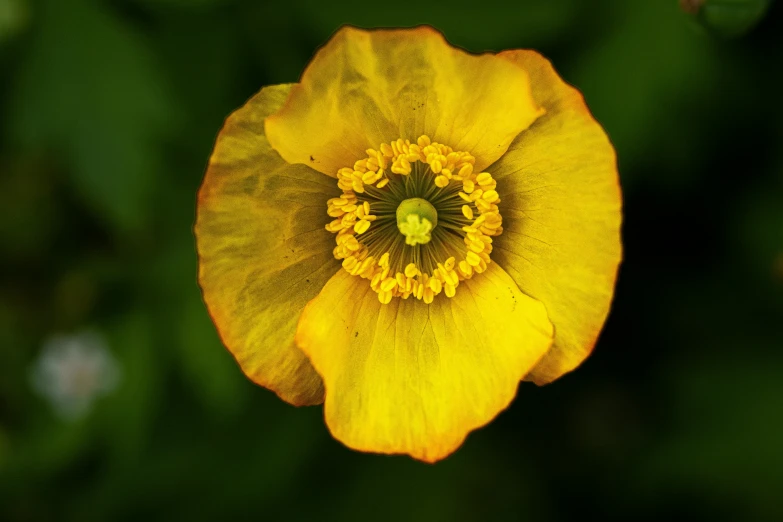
(414, 219)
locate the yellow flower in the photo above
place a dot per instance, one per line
(474, 206)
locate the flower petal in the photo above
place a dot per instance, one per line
(561, 216)
(364, 88)
(263, 250)
(413, 378)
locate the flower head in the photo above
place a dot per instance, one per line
(72, 371)
(407, 233)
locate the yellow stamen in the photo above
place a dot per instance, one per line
(409, 262)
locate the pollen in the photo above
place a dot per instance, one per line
(414, 219)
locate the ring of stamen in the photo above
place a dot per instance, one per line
(414, 219)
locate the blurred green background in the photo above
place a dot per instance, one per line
(108, 112)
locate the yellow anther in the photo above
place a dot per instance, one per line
(465, 171)
(449, 264)
(423, 141)
(483, 205)
(361, 226)
(358, 186)
(490, 196)
(388, 284)
(382, 183)
(436, 285)
(385, 297)
(465, 269)
(473, 259)
(428, 295)
(349, 263)
(436, 166)
(475, 246)
(411, 270)
(465, 197)
(386, 150)
(450, 290)
(441, 181)
(468, 186)
(367, 263)
(467, 211)
(384, 261)
(334, 226)
(485, 178)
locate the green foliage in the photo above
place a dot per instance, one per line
(89, 89)
(732, 18)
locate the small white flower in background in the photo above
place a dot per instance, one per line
(74, 370)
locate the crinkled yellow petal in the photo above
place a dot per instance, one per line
(561, 216)
(413, 378)
(263, 250)
(364, 88)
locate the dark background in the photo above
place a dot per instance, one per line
(108, 112)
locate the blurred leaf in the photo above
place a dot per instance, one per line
(183, 4)
(477, 26)
(189, 44)
(89, 89)
(27, 209)
(285, 48)
(726, 433)
(730, 18)
(209, 369)
(128, 412)
(641, 77)
(14, 16)
(759, 231)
